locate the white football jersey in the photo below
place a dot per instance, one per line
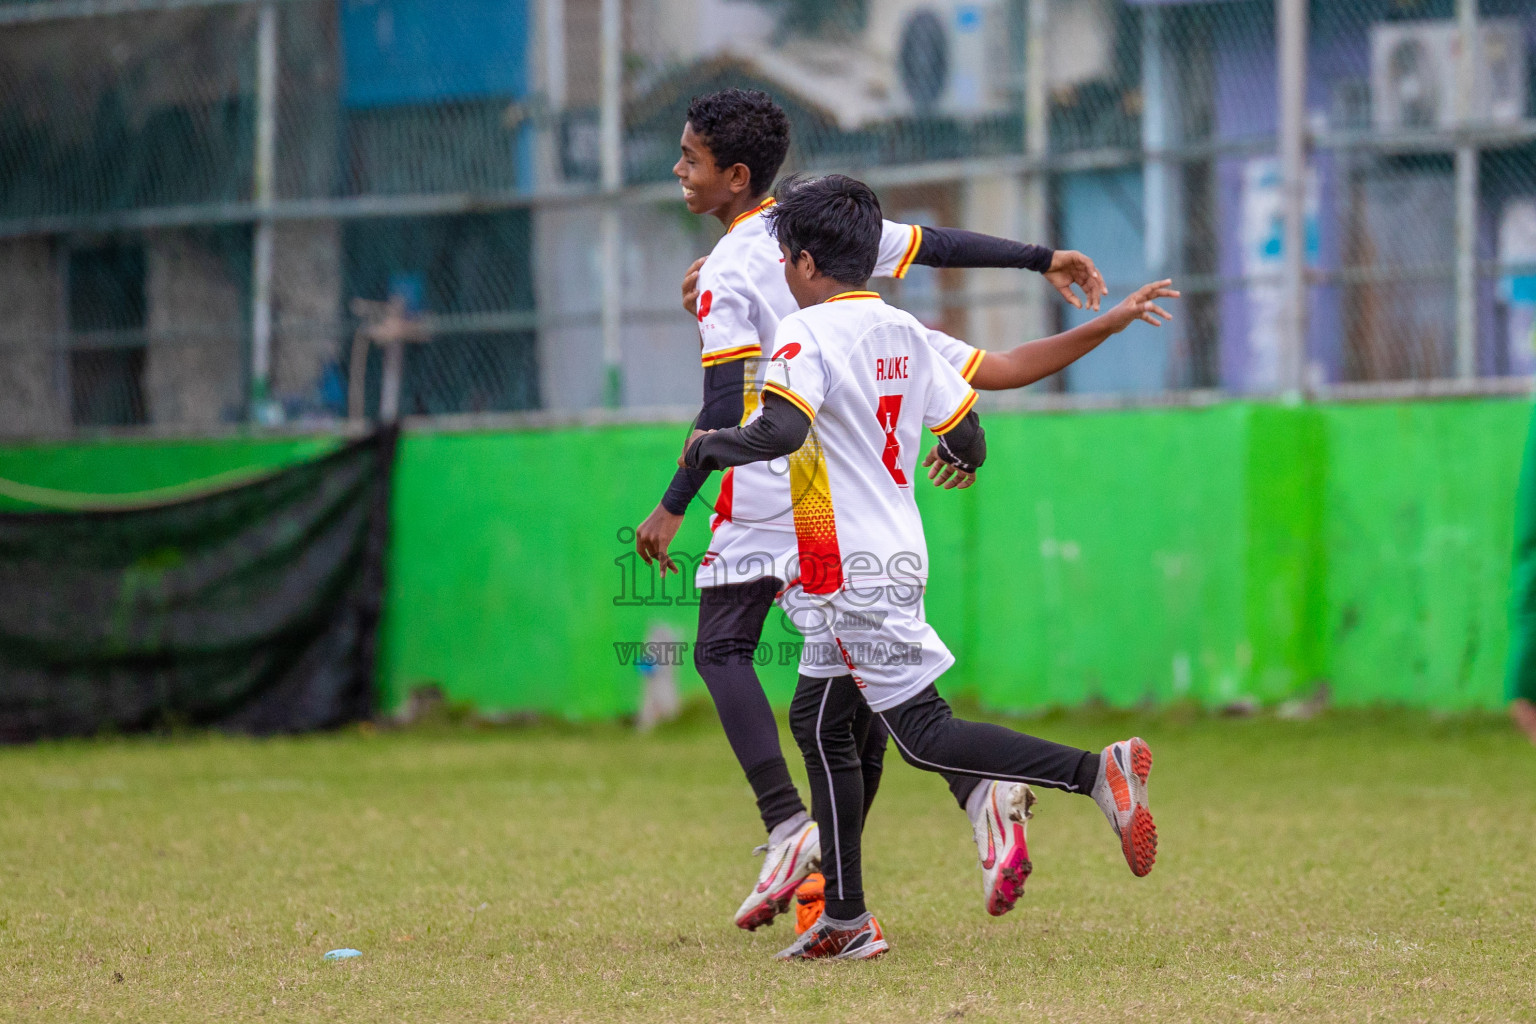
(866, 375)
(742, 299)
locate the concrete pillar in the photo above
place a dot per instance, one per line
(571, 367)
(32, 396)
(306, 297)
(193, 371)
(1008, 310)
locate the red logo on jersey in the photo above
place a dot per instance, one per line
(788, 351)
(705, 301)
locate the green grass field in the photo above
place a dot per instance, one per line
(1350, 868)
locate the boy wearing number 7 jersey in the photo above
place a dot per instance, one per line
(865, 375)
(732, 146)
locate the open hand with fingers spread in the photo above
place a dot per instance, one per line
(1141, 305)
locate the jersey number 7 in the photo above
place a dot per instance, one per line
(887, 414)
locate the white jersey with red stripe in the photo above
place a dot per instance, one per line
(865, 374)
(742, 299)
(742, 294)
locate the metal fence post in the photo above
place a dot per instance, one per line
(263, 192)
(612, 156)
(1159, 133)
(1291, 25)
(1037, 138)
(1466, 192)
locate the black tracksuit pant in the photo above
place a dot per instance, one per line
(829, 719)
(731, 619)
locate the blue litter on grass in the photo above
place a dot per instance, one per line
(343, 954)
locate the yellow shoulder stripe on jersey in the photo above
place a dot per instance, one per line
(794, 399)
(845, 296)
(907, 257)
(953, 419)
(730, 355)
(973, 364)
(759, 208)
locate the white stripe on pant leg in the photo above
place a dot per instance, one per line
(837, 843)
(984, 776)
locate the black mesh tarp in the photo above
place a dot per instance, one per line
(254, 609)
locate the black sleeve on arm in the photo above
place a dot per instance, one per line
(724, 402)
(966, 445)
(780, 430)
(953, 247)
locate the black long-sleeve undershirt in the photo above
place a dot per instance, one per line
(780, 430)
(955, 247)
(966, 445)
(724, 402)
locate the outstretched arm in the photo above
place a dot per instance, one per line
(1036, 360)
(724, 401)
(1063, 268)
(954, 247)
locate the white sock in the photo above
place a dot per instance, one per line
(786, 828)
(976, 803)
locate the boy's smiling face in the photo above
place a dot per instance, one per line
(706, 186)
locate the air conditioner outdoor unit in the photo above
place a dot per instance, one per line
(952, 58)
(1413, 74)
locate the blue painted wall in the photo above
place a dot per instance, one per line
(410, 51)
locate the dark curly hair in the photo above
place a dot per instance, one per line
(836, 219)
(743, 126)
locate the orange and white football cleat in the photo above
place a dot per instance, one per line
(1121, 793)
(1000, 844)
(810, 901)
(863, 941)
(784, 867)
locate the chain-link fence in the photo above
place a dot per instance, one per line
(195, 194)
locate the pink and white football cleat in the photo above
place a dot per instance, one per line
(1001, 846)
(784, 868)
